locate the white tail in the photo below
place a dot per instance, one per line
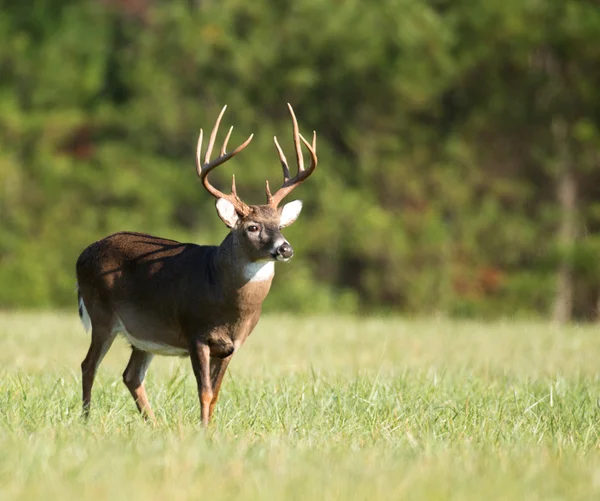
(83, 314)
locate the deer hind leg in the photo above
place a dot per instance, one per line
(102, 339)
(133, 377)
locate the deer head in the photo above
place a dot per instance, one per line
(257, 228)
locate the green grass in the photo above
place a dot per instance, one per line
(318, 408)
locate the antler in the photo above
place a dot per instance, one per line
(203, 169)
(290, 183)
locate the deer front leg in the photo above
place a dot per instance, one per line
(200, 356)
(218, 366)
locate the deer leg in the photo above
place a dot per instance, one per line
(133, 377)
(218, 366)
(102, 339)
(200, 356)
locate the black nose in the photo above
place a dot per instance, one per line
(285, 251)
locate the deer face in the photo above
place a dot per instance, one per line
(259, 231)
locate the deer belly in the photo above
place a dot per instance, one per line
(149, 345)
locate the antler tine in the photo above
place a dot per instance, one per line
(199, 154)
(312, 149)
(203, 169)
(296, 134)
(213, 136)
(284, 164)
(224, 147)
(290, 183)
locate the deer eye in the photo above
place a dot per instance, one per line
(252, 228)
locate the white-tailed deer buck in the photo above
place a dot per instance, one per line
(171, 298)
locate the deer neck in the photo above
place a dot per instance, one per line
(235, 268)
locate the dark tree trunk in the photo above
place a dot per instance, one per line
(567, 228)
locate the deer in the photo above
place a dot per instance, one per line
(182, 299)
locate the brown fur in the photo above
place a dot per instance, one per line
(185, 296)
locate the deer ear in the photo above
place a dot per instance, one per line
(290, 213)
(227, 212)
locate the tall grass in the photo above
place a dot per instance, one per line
(312, 408)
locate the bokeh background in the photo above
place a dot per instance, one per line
(459, 144)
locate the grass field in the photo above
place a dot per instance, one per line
(318, 408)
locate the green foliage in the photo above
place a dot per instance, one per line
(438, 165)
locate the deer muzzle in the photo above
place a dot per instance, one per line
(284, 252)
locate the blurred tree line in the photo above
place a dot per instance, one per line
(458, 142)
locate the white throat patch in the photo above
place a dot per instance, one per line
(259, 271)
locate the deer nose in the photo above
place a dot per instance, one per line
(285, 251)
